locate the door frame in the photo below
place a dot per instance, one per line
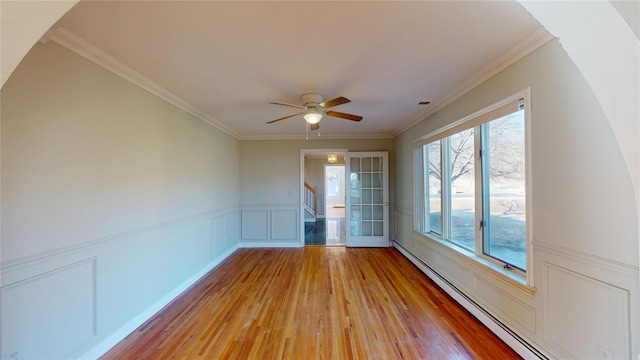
(303, 153)
(372, 240)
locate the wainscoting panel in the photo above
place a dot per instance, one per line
(515, 310)
(580, 306)
(233, 229)
(284, 224)
(218, 234)
(453, 270)
(600, 310)
(424, 251)
(50, 315)
(271, 225)
(254, 224)
(79, 301)
(403, 226)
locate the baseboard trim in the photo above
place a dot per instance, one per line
(128, 328)
(513, 340)
(269, 244)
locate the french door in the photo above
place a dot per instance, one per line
(367, 207)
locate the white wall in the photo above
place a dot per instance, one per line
(112, 202)
(270, 183)
(584, 217)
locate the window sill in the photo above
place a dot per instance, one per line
(507, 277)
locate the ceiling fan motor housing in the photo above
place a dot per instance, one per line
(311, 100)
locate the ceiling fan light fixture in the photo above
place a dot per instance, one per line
(312, 116)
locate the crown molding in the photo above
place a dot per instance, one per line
(317, 137)
(70, 41)
(522, 49)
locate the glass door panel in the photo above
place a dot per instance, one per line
(368, 199)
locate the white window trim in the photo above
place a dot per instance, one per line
(479, 117)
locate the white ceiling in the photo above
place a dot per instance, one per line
(229, 59)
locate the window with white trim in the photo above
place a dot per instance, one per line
(471, 184)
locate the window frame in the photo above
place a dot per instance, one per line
(421, 210)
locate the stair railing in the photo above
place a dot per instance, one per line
(310, 199)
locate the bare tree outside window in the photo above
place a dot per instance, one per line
(504, 160)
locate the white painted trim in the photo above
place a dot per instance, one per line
(13, 264)
(478, 312)
(591, 260)
(522, 49)
(129, 327)
(70, 41)
(490, 268)
(268, 207)
(317, 137)
(270, 244)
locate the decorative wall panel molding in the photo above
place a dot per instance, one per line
(453, 270)
(424, 251)
(515, 310)
(270, 225)
(27, 261)
(590, 262)
(403, 226)
(254, 224)
(601, 310)
(52, 313)
(284, 224)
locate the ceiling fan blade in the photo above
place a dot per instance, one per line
(344, 116)
(334, 102)
(282, 118)
(314, 126)
(285, 104)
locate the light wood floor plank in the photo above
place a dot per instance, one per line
(313, 303)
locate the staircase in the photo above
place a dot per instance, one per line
(310, 203)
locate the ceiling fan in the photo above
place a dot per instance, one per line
(315, 108)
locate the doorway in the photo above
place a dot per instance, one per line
(366, 192)
(322, 197)
(335, 199)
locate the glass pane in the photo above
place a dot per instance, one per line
(366, 196)
(366, 213)
(377, 196)
(354, 181)
(356, 213)
(505, 237)
(377, 228)
(366, 180)
(377, 212)
(355, 228)
(377, 164)
(462, 189)
(366, 228)
(355, 164)
(377, 180)
(434, 187)
(366, 164)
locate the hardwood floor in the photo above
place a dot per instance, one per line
(313, 303)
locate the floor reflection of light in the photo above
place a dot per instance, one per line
(335, 231)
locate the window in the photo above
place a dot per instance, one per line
(471, 184)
